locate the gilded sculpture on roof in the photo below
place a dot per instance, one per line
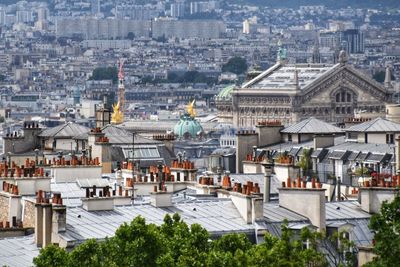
(190, 109)
(117, 116)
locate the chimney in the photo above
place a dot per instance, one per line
(245, 140)
(309, 202)
(39, 224)
(267, 182)
(323, 141)
(160, 199)
(92, 202)
(249, 206)
(269, 132)
(47, 223)
(372, 197)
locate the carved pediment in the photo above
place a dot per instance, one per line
(342, 78)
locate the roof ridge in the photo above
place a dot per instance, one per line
(61, 128)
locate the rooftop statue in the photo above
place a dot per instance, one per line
(117, 116)
(281, 52)
(190, 109)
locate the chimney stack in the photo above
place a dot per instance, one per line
(267, 181)
(245, 140)
(309, 202)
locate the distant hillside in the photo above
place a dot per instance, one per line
(327, 3)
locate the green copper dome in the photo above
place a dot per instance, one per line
(187, 127)
(226, 93)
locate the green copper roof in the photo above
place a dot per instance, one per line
(188, 125)
(226, 92)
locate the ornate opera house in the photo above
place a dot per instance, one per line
(293, 92)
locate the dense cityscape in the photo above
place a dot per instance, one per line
(199, 133)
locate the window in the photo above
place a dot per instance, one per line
(348, 97)
(290, 137)
(389, 138)
(338, 97)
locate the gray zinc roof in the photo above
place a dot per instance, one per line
(67, 130)
(18, 251)
(312, 126)
(375, 126)
(217, 217)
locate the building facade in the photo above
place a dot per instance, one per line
(293, 92)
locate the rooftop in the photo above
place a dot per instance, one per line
(312, 126)
(375, 126)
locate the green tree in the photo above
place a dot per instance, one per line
(305, 163)
(386, 225)
(105, 73)
(52, 256)
(235, 65)
(177, 244)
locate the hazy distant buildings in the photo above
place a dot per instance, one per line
(203, 7)
(91, 28)
(95, 7)
(353, 41)
(24, 16)
(207, 29)
(178, 10)
(136, 12)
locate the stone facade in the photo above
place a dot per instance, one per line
(291, 93)
(29, 214)
(4, 208)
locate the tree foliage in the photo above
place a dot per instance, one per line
(235, 65)
(105, 73)
(175, 243)
(386, 226)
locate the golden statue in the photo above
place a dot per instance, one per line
(117, 116)
(190, 109)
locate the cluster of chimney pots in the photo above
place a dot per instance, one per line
(105, 192)
(164, 137)
(246, 189)
(379, 181)
(269, 123)
(301, 183)
(184, 164)
(82, 160)
(28, 170)
(14, 223)
(10, 188)
(42, 198)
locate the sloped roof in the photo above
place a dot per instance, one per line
(282, 76)
(117, 135)
(312, 126)
(67, 130)
(375, 126)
